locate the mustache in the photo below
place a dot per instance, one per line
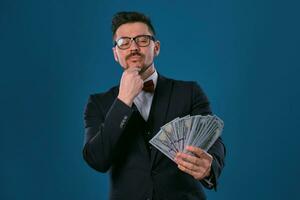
(134, 54)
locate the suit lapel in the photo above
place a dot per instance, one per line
(159, 110)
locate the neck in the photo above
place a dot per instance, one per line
(148, 71)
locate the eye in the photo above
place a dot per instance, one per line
(123, 42)
(142, 39)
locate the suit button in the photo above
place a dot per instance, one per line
(122, 124)
(148, 133)
(147, 198)
(150, 147)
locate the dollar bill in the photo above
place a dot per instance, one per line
(200, 131)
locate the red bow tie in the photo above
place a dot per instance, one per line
(148, 86)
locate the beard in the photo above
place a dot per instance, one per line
(138, 62)
(135, 59)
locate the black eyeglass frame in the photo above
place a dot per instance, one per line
(115, 43)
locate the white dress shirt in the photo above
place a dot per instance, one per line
(144, 99)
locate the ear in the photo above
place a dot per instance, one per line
(115, 54)
(156, 48)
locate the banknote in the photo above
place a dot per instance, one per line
(198, 130)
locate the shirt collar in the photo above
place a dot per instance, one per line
(153, 77)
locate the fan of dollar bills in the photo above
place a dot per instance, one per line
(198, 130)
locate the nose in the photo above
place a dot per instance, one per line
(134, 46)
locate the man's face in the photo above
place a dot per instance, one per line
(135, 56)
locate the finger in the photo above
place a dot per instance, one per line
(199, 162)
(186, 170)
(198, 152)
(207, 172)
(189, 158)
(196, 175)
(133, 69)
(187, 165)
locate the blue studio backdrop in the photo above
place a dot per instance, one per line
(53, 54)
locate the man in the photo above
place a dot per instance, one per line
(120, 122)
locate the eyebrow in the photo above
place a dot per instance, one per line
(134, 36)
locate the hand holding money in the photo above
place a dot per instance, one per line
(187, 140)
(130, 85)
(197, 164)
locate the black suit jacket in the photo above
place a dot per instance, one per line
(114, 142)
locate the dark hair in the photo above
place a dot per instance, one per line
(121, 18)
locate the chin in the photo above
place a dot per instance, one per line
(136, 64)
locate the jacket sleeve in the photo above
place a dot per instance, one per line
(200, 106)
(103, 131)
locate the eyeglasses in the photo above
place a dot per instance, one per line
(140, 40)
